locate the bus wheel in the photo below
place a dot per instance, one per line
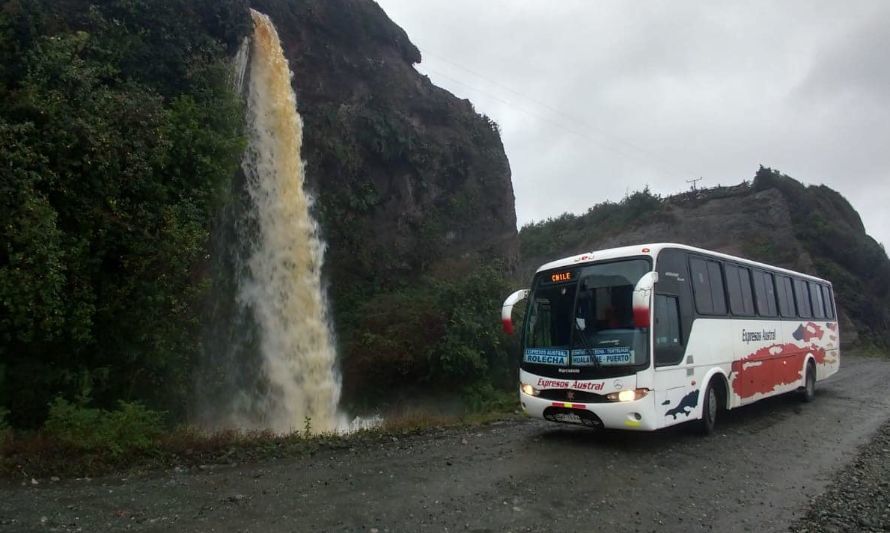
(708, 411)
(809, 385)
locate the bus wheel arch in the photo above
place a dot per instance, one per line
(714, 400)
(721, 385)
(722, 388)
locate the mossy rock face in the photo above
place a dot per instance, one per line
(773, 219)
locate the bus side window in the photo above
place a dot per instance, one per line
(816, 300)
(802, 297)
(738, 283)
(786, 299)
(718, 294)
(707, 285)
(668, 341)
(764, 293)
(829, 306)
(701, 285)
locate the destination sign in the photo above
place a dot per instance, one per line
(561, 276)
(546, 356)
(616, 356)
(556, 277)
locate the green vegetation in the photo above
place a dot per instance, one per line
(129, 427)
(118, 137)
(554, 236)
(442, 335)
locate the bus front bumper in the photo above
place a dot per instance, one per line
(638, 415)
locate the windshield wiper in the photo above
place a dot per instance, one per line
(587, 347)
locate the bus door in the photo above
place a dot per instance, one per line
(676, 395)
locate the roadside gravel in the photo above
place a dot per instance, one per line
(859, 497)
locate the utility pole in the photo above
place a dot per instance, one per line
(693, 182)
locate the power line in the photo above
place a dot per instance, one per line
(605, 137)
(543, 117)
(512, 105)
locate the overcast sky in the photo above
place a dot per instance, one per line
(596, 99)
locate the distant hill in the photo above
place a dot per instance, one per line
(774, 219)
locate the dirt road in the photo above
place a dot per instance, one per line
(757, 473)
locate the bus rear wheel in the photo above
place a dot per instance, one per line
(808, 394)
(708, 411)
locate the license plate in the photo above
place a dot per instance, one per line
(568, 418)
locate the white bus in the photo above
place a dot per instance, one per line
(645, 337)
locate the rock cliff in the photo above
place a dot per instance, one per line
(411, 184)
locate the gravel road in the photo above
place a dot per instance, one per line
(859, 499)
(763, 470)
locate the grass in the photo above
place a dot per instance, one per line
(40, 455)
(867, 349)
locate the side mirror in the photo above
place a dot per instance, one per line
(507, 310)
(642, 299)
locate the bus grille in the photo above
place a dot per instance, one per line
(563, 395)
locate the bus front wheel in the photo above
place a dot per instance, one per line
(808, 394)
(708, 411)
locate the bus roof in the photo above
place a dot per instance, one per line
(653, 250)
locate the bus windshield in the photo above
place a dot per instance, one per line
(583, 317)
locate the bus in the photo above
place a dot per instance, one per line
(645, 337)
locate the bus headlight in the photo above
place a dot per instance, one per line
(528, 389)
(627, 395)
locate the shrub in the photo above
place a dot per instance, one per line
(443, 334)
(483, 397)
(130, 427)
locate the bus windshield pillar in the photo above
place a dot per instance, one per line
(642, 299)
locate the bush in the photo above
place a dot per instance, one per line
(483, 397)
(569, 233)
(441, 335)
(130, 427)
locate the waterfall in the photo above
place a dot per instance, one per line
(278, 283)
(240, 65)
